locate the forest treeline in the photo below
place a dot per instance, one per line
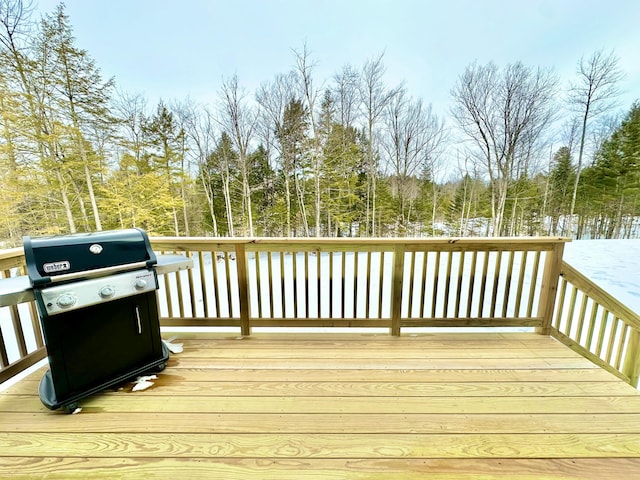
(519, 153)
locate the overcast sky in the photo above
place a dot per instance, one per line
(172, 49)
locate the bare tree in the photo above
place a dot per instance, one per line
(347, 86)
(199, 127)
(503, 113)
(238, 119)
(412, 141)
(130, 111)
(274, 99)
(304, 70)
(375, 97)
(594, 92)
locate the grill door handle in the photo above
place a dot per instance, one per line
(139, 322)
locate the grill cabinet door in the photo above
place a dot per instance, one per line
(91, 346)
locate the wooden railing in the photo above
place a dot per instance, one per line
(596, 325)
(21, 343)
(390, 283)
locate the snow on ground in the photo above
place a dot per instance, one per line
(614, 265)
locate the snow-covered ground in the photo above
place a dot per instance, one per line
(614, 265)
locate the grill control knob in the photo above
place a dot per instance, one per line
(66, 300)
(107, 291)
(141, 284)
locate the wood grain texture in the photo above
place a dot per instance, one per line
(325, 469)
(340, 405)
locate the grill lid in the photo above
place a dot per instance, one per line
(65, 255)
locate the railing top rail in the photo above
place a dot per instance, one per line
(471, 243)
(10, 258)
(11, 253)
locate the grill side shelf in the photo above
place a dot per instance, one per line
(17, 290)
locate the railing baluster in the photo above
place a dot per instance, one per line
(367, 308)
(447, 286)
(459, 283)
(422, 287)
(520, 292)
(411, 281)
(342, 285)
(167, 293)
(192, 290)
(507, 286)
(178, 278)
(621, 346)
(572, 308)
(472, 280)
(496, 282)
(380, 283)
(203, 285)
(483, 284)
(216, 283)
(227, 271)
(581, 315)
(271, 296)
(436, 277)
(612, 339)
(17, 329)
(422, 296)
(534, 282)
(355, 283)
(283, 294)
(604, 322)
(306, 284)
(592, 325)
(14, 314)
(560, 304)
(256, 258)
(319, 274)
(294, 260)
(331, 284)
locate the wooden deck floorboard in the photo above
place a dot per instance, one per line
(340, 406)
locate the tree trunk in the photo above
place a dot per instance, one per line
(65, 202)
(287, 189)
(227, 205)
(574, 194)
(92, 196)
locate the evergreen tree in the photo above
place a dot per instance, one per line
(561, 179)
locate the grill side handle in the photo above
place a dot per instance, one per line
(151, 255)
(32, 270)
(98, 272)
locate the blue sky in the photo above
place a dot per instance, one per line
(174, 49)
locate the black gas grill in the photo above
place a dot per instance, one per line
(96, 296)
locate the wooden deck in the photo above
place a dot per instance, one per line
(291, 406)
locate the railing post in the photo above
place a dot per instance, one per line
(549, 287)
(631, 367)
(243, 290)
(396, 289)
